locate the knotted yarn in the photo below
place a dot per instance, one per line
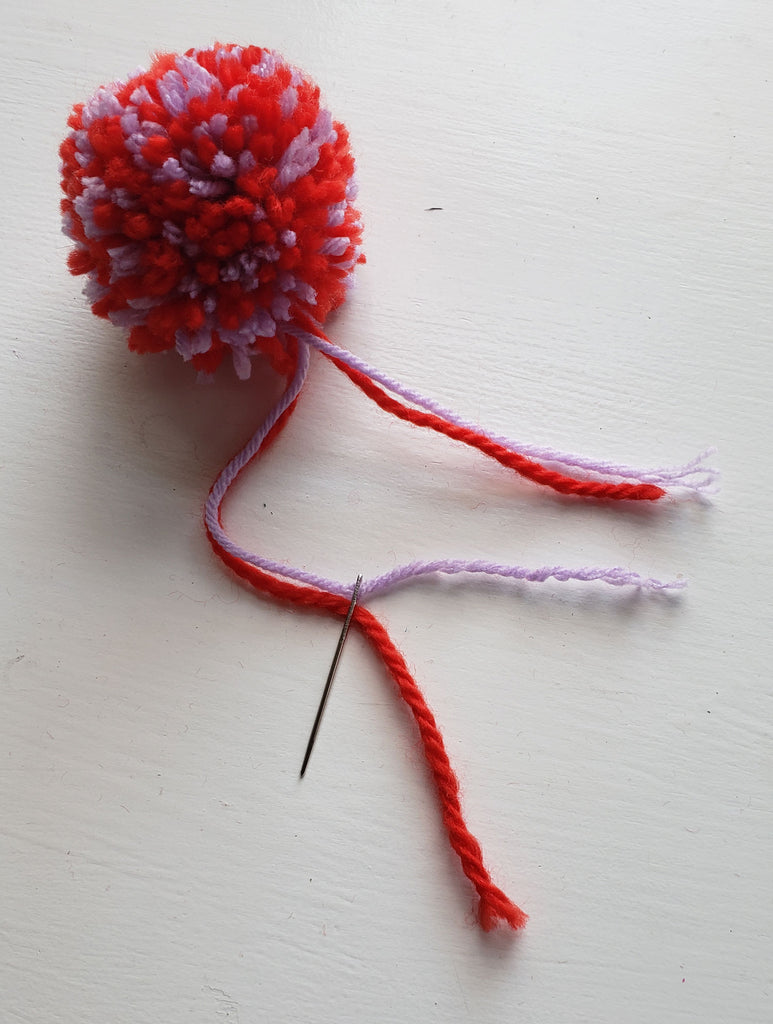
(209, 200)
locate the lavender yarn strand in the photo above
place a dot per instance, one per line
(693, 476)
(236, 465)
(616, 576)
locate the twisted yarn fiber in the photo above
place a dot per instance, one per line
(527, 468)
(493, 905)
(210, 202)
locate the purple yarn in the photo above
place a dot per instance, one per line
(693, 476)
(302, 153)
(616, 576)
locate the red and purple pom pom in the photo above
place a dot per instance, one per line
(210, 202)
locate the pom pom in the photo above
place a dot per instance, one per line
(210, 203)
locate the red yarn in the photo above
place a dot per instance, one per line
(493, 905)
(527, 468)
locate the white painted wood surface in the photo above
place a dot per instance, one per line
(598, 278)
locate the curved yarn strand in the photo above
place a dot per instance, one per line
(614, 577)
(493, 905)
(527, 468)
(694, 476)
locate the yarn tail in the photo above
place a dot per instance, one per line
(493, 906)
(525, 467)
(428, 414)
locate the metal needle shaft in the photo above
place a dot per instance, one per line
(331, 674)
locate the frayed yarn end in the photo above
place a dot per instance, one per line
(495, 909)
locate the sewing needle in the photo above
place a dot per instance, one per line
(331, 673)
